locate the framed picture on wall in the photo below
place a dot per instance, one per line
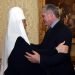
(67, 15)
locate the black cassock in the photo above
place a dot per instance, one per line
(18, 64)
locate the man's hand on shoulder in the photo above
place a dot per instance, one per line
(33, 58)
(61, 48)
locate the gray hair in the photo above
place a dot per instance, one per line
(52, 8)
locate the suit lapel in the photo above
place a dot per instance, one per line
(56, 29)
(51, 34)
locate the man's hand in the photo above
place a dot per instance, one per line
(61, 48)
(33, 58)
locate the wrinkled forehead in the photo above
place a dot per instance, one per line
(16, 13)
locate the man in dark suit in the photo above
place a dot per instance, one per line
(54, 60)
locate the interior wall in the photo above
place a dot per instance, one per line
(32, 18)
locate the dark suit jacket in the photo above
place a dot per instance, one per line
(53, 62)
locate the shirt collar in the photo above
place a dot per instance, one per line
(54, 23)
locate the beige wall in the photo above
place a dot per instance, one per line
(32, 18)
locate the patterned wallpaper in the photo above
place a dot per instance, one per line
(30, 8)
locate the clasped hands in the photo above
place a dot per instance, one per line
(35, 57)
